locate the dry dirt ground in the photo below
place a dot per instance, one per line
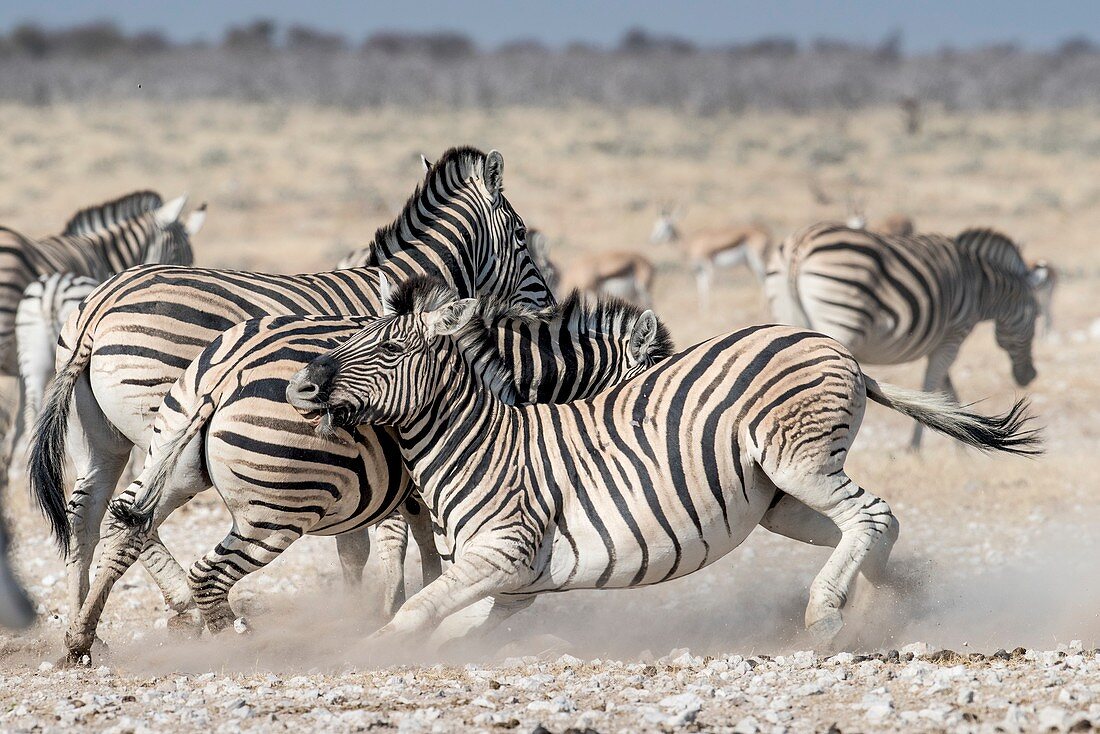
(995, 553)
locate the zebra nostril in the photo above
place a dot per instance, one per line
(308, 390)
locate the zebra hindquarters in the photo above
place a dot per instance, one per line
(800, 440)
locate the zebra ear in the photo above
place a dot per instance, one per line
(384, 292)
(494, 174)
(450, 318)
(1038, 274)
(169, 213)
(195, 220)
(426, 163)
(642, 337)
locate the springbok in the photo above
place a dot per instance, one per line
(724, 247)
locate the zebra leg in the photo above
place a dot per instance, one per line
(353, 549)
(392, 538)
(936, 379)
(159, 562)
(420, 523)
(122, 545)
(479, 620)
(9, 423)
(168, 574)
(791, 518)
(125, 539)
(861, 517)
(99, 454)
(481, 571)
(238, 555)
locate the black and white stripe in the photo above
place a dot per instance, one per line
(894, 299)
(138, 332)
(47, 303)
(645, 482)
(227, 421)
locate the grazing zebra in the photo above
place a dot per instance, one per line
(897, 299)
(645, 482)
(227, 421)
(97, 242)
(46, 305)
(137, 333)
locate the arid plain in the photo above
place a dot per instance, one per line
(995, 553)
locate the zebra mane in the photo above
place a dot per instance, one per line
(475, 341)
(991, 247)
(390, 239)
(102, 216)
(610, 315)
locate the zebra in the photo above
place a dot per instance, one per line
(47, 303)
(137, 333)
(97, 242)
(645, 482)
(226, 421)
(896, 299)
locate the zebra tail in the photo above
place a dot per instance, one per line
(47, 459)
(1008, 432)
(140, 513)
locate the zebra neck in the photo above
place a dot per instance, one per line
(428, 246)
(452, 430)
(409, 263)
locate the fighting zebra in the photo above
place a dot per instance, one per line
(97, 242)
(46, 306)
(897, 299)
(137, 333)
(227, 421)
(647, 481)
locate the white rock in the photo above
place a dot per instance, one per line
(966, 695)
(878, 712)
(747, 725)
(1052, 717)
(556, 705)
(917, 648)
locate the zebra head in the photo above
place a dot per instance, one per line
(1006, 295)
(578, 348)
(390, 371)
(478, 241)
(170, 236)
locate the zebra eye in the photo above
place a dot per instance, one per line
(521, 234)
(391, 348)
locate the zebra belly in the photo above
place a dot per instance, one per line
(610, 553)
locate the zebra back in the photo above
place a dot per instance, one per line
(103, 216)
(47, 303)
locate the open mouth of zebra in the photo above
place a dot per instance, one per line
(326, 418)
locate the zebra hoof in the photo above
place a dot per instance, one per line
(825, 629)
(186, 625)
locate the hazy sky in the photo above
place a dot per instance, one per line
(926, 24)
